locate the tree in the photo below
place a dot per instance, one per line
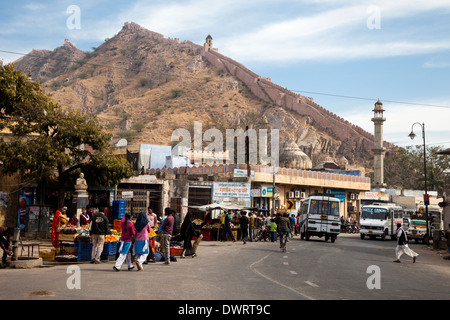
(46, 142)
(404, 168)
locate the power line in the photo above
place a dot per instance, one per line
(371, 99)
(293, 90)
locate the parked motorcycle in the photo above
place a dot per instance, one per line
(354, 228)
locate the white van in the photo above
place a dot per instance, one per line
(380, 220)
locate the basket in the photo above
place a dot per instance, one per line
(176, 251)
(47, 255)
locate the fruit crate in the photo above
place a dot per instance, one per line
(84, 257)
(207, 235)
(109, 248)
(116, 225)
(108, 257)
(119, 208)
(176, 251)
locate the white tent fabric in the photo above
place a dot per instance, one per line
(224, 206)
(145, 153)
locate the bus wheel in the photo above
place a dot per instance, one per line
(383, 236)
(326, 238)
(362, 235)
(333, 239)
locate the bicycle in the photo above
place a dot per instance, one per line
(283, 234)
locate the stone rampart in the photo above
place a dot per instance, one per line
(273, 93)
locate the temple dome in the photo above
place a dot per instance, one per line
(292, 157)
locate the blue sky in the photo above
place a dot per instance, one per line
(395, 51)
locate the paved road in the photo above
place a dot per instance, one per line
(309, 270)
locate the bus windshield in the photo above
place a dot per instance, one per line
(324, 207)
(374, 213)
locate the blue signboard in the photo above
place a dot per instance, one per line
(339, 194)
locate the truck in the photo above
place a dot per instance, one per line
(380, 220)
(319, 216)
(418, 227)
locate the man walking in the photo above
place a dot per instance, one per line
(402, 245)
(243, 222)
(99, 228)
(167, 229)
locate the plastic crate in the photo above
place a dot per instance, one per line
(84, 257)
(109, 248)
(116, 225)
(108, 257)
(176, 251)
(207, 235)
(84, 248)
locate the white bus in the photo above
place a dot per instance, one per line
(380, 220)
(319, 216)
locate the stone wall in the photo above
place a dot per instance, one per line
(270, 92)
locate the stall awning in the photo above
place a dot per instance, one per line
(212, 206)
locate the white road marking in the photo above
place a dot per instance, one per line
(286, 263)
(293, 272)
(312, 284)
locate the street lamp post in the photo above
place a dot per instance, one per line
(425, 197)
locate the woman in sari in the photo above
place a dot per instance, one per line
(55, 225)
(141, 244)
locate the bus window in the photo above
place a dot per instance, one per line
(335, 208)
(304, 208)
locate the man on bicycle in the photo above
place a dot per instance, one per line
(284, 227)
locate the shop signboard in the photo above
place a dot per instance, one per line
(231, 189)
(243, 173)
(256, 193)
(373, 195)
(266, 191)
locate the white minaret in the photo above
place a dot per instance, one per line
(378, 150)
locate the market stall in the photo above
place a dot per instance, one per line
(212, 230)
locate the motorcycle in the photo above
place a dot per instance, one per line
(263, 234)
(354, 228)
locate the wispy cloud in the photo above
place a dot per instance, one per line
(342, 33)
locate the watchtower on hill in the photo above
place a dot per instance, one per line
(208, 46)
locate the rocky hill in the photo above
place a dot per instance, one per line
(143, 86)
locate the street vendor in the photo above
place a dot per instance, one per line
(5, 243)
(59, 220)
(85, 219)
